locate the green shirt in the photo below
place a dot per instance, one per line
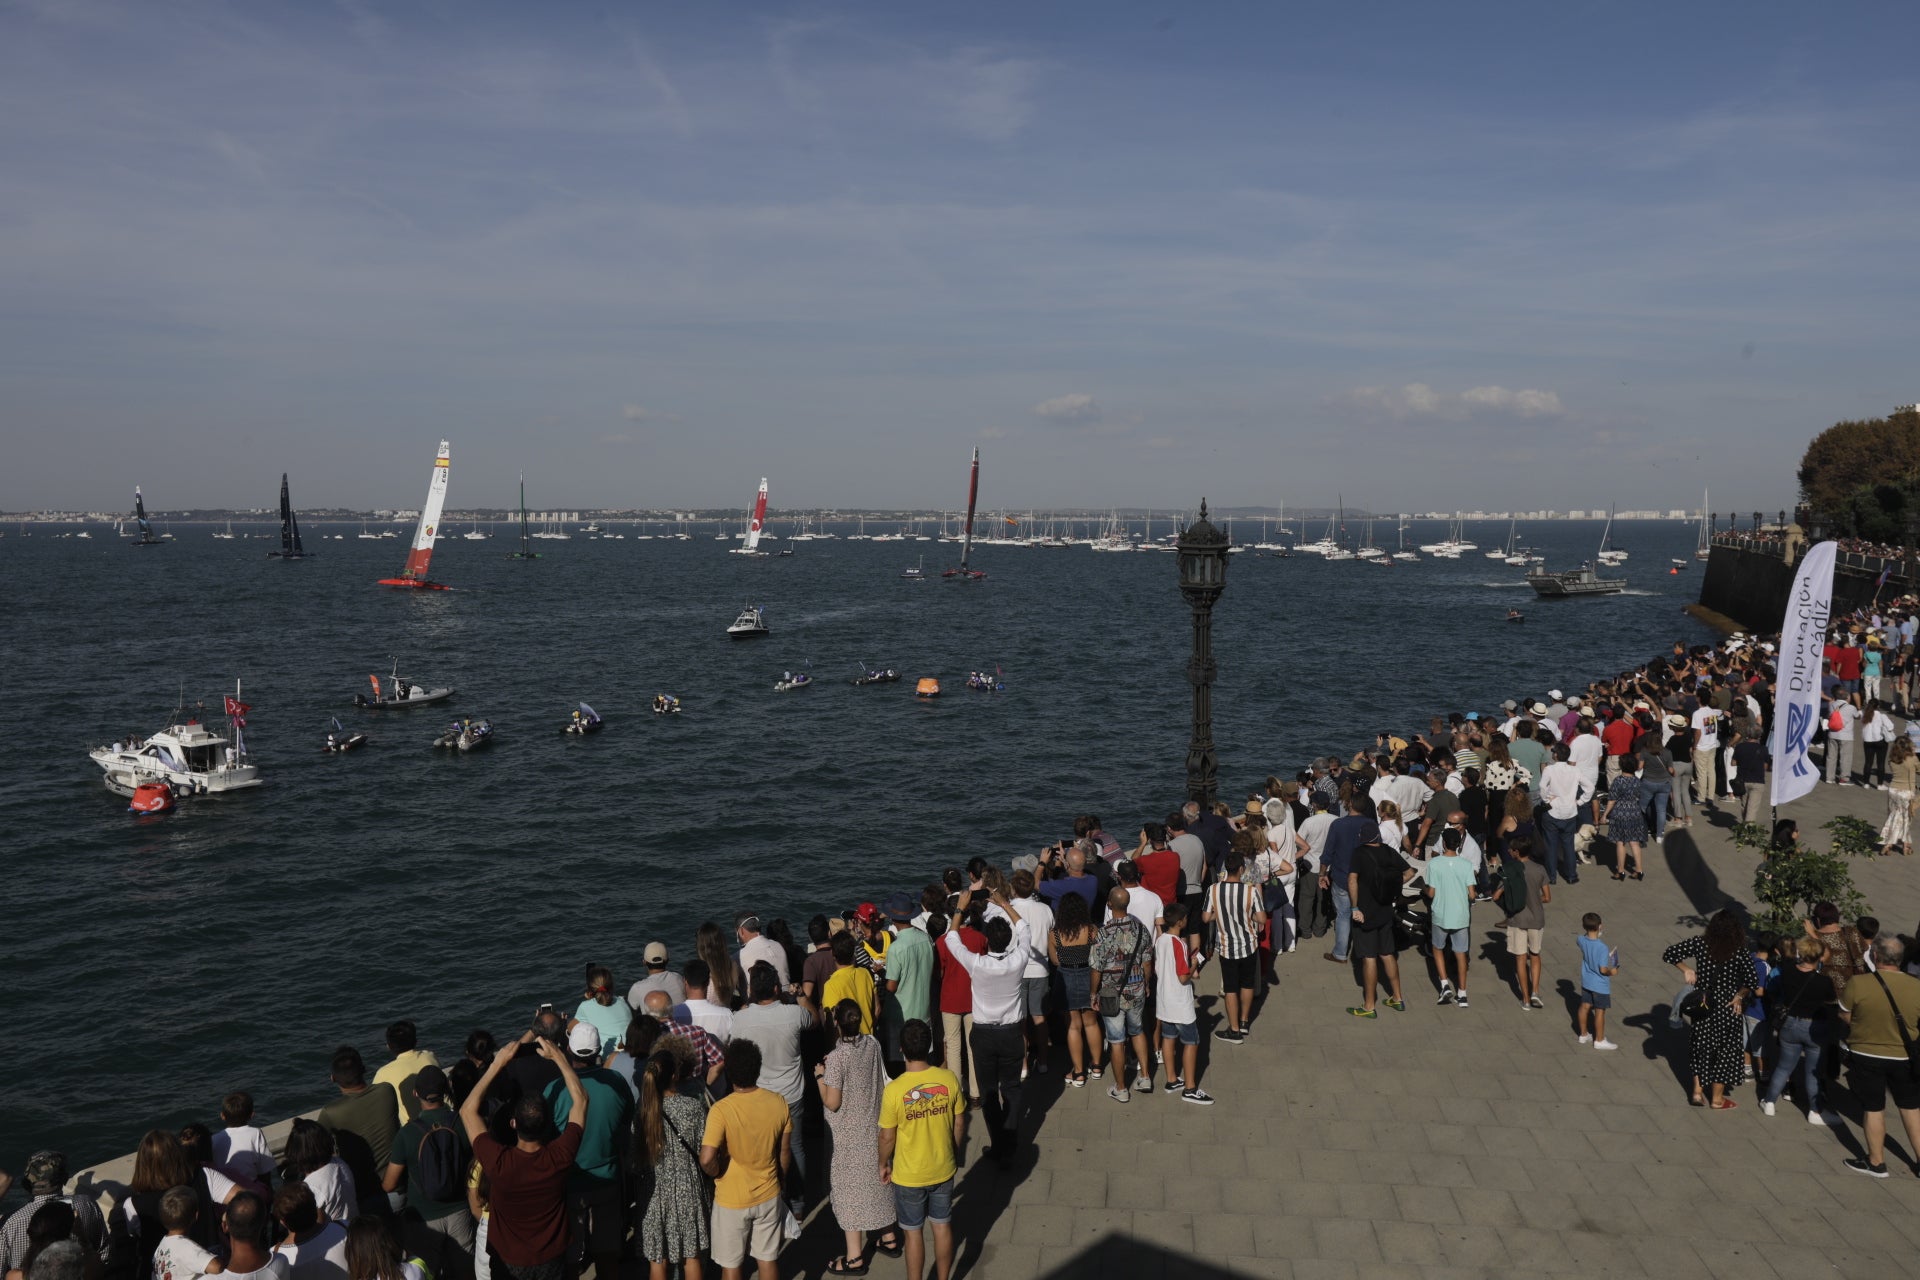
(605, 1133)
(406, 1153)
(910, 962)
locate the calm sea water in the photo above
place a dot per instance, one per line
(155, 963)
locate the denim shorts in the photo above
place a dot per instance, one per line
(1185, 1032)
(913, 1206)
(1128, 1022)
(1598, 999)
(1036, 995)
(1450, 940)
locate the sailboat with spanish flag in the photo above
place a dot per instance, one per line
(963, 573)
(414, 576)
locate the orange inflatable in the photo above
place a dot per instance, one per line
(152, 797)
(927, 688)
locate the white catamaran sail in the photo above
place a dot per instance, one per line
(756, 525)
(421, 554)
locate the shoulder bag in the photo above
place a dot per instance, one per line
(1900, 1025)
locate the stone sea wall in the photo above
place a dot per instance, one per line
(1749, 580)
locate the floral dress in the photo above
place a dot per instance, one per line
(1720, 1038)
(861, 1202)
(674, 1223)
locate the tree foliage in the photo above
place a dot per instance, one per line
(1865, 474)
(1788, 882)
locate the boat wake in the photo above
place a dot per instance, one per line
(1505, 586)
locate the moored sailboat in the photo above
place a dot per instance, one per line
(414, 576)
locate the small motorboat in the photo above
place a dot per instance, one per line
(466, 735)
(928, 687)
(916, 572)
(1514, 615)
(399, 693)
(791, 680)
(665, 704)
(340, 740)
(751, 622)
(586, 720)
(886, 675)
(984, 683)
(152, 797)
(1678, 563)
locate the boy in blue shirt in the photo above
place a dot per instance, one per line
(1755, 1011)
(1598, 963)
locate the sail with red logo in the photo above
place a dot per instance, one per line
(421, 554)
(751, 547)
(963, 573)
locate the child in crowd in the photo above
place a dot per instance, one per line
(1597, 964)
(178, 1256)
(1173, 996)
(240, 1147)
(1755, 1010)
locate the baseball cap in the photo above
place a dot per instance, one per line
(1574, 701)
(1473, 715)
(866, 913)
(656, 953)
(1509, 705)
(430, 1083)
(46, 1169)
(584, 1040)
(1555, 694)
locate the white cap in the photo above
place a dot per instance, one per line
(1555, 694)
(584, 1040)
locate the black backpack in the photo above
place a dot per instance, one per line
(1513, 885)
(438, 1170)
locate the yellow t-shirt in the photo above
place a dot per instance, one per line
(747, 1126)
(855, 984)
(920, 1106)
(398, 1075)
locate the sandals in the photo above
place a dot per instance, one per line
(1697, 1100)
(1077, 1079)
(1725, 1104)
(842, 1266)
(893, 1250)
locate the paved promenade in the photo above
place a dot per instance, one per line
(1440, 1142)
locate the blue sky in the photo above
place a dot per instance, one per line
(1422, 255)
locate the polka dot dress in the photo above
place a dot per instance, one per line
(1719, 1038)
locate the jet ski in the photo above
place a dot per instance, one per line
(665, 704)
(585, 720)
(792, 681)
(466, 735)
(886, 675)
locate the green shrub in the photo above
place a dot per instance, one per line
(1789, 883)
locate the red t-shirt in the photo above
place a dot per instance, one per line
(528, 1199)
(956, 987)
(1847, 662)
(1160, 873)
(1619, 736)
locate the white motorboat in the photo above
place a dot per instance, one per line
(400, 692)
(466, 735)
(792, 680)
(751, 622)
(190, 757)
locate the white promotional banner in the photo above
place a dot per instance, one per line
(1796, 703)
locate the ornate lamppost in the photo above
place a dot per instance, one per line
(1203, 575)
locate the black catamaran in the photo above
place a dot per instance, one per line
(145, 538)
(290, 548)
(526, 551)
(963, 573)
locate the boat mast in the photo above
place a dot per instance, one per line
(524, 555)
(759, 516)
(422, 552)
(973, 493)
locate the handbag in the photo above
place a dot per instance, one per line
(1900, 1025)
(1693, 1005)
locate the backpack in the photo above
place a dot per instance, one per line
(1513, 886)
(438, 1170)
(1837, 720)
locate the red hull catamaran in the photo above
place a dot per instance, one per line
(414, 576)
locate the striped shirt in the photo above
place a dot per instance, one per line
(1233, 903)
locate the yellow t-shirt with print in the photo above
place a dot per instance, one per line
(919, 1107)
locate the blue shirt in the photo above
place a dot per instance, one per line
(1343, 838)
(1594, 953)
(1756, 1003)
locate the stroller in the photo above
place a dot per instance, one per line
(1412, 922)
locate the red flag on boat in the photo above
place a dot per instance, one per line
(235, 707)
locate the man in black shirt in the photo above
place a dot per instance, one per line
(1750, 760)
(1373, 883)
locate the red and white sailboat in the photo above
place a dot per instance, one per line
(415, 574)
(752, 545)
(963, 573)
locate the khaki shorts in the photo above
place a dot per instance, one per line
(742, 1233)
(1523, 942)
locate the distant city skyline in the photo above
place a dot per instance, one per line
(1136, 255)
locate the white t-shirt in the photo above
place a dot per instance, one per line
(757, 949)
(323, 1257)
(243, 1149)
(1173, 998)
(333, 1190)
(179, 1258)
(714, 1019)
(1878, 729)
(1707, 722)
(1409, 793)
(1584, 753)
(1039, 918)
(1314, 832)
(1393, 834)
(1145, 906)
(276, 1269)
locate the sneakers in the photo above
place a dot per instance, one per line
(1364, 1013)
(1117, 1094)
(1446, 993)
(1861, 1166)
(1605, 1045)
(1230, 1036)
(1586, 1039)
(1525, 1007)
(1173, 1086)
(1142, 1085)
(1398, 1006)
(1766, 1108)
(1537, 1002)
(1826, 1118)
(1460, 1001)
(1199, 1097)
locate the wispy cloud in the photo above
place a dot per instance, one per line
(1418, 400)
(1078, 407)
